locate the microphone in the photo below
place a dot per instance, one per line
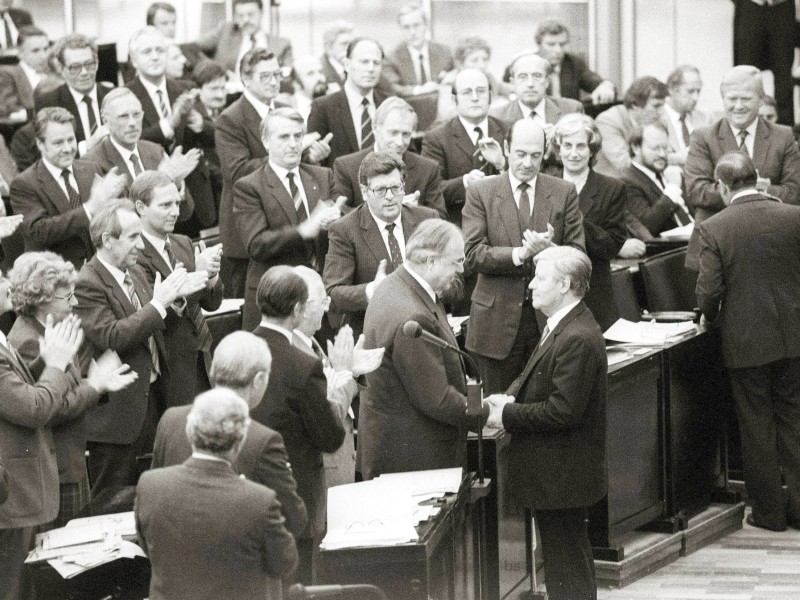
(414, 330)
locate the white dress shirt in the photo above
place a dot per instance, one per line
(354, 99)
(126, 156)
(398, 232)
(282, 330)
(160, 245)
(539, 115)
(515, 183)
(281, 172)
(470, 129)
(262, 109)
(84, 114)
(152, 89)
(675, 120)
(420, 56)
(554, 319)
(750, 140)
(33, 76)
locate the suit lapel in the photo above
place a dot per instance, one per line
(542, 206)
(551, 111)
(509, 214)
(155, 258)
(68, 102)
(279, 193)
(461, 138)
(761, 145)
(313, 194)
(51, 189)
(85, 178)
(346, 119)
(372, 236)
(252, 124)
(151, 114)
(116, 290)
(116, 158)
(725, 136)
(588, 193)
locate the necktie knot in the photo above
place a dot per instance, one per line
(390, 228)
(523, 187)
(364, 102)
(65, 173)
(479, 132)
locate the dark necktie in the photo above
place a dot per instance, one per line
(394, 246)
(134, 298)
(87, 100)
(137, 166)
(742, 144)
(660, 180)
(366, 126)
(7, 30)
(684, 130)
(168, 252)
(480, 162)
(72, 193)
(524, 205)
(163, 107)
(423, 76)
(545, 333)
(299, 207)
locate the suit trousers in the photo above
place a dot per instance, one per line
(233, 273)
(567, 553)
(498, 375)
(14, 547)
(767, 400)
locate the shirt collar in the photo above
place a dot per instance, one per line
(204, 456)
(516, 182)
(415, 52)
(30, 73)
(158, 243)
(78, 96)
(354, 97)
(382, 224)
(54, 170)
(304, 338)
(282, 171)
(742, 194)
(751, 130)
(282, 330)
(116, 273)
(425, 285)
(262, 109)
(470, 128)
(539, 108)
(554, 319)
(152, 88)
(125, 153)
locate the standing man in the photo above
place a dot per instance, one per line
(57, 195)
(296, 403)
(348, 114)
(681, 116)
(11, 19)
(555, 412)
(186, 337)
(17, 82)
(162, 16)
(308, 83)
(468, 147)
(530, 76)
(395, 121)
(417, 65)
(369, 242)
(282, 211)
(749, 281)
(413, 413)
(336, 39)
(771, 147)
(243, 543)
(121, 312)
(570, 74)
(508, 220)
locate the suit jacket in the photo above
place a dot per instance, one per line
(241, 545)
(697, 118)
(554, 109)
(602, 204)
(62, 97)
(69, 430)
(492, 229)
(645, 201)
(224, 42)
(331, 114)
(267, 224)
(296, 406)
(399, 67)
(15, 91)
(558, 421)
(775, 156)
(110, 321)
(23, 149)
(241, 152)
(263, 460)
(181, 337)
(451, 147)
(330, 72)
(49, 222)
(615, 125)
(413, 412)
(26, 441)
(575, 76)
(750, 279)
(106, 157)
(422, 174)
(20, 17)
(355, 248)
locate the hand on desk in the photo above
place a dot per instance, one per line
(496, 403)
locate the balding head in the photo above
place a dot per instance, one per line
(242, 362)
(317, 303)
(524, 148)
(736, 172)
(473, 94)
(742, 90)
(217, 423)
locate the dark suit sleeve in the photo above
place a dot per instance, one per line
(280, 550)
(431, 195)
(28, 405)
(233, 149)
(272, 470)
(318, 121)
(573, 223)
(710, 286)
(654, 217)
(9, 97)
(699, 173)
(323, 428)
(158, 459)
(573, 374)
(343, 185)
(453, 190)
(45, 229)
(588, 80)
(340, 271)
(605, 237)
(788, 187)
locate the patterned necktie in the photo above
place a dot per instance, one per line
(163, 107)
(684, 130)
(72, 193)
(297, 199)
(87, 100)
(545, 333)
(524, 204)
(366, 126)
(7, 29)
(151, 342)
(742, 144)
(479, 161)
(423, 75)
(137, 165)
(168, 252)
(394, 246)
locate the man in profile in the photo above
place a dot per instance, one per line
(230, 539)
(680, 111)
(555, 412)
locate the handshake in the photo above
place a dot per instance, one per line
(496, 403)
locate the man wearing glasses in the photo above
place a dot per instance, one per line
(369, 243)
(81, 94)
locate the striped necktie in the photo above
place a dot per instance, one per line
(87, 100)
(367, 138)
(163, 107)
(151, 342)
(72, 194)
(297, 199)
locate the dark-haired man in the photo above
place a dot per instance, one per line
(18, 82)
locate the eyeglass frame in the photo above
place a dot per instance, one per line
(75, 69)
(397, 190)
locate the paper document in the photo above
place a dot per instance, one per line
(678, 232)
(647, 333)
(228, 305)
(122, 523)
(443, 481)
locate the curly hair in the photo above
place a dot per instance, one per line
(35, 278)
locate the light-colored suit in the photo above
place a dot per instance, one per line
(15, 91)
(224, 42)
(399, 68)
(615, 125)
(554, 109)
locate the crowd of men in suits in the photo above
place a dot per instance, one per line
(338, 232)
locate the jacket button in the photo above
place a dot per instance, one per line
(520, 304)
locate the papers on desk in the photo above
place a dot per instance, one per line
(385, 510)
(684, 231)
(86, 543)
(646, 333)
(228, 305)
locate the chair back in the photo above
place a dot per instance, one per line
(668, 284)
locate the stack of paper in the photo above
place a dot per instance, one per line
(679, 232)
(647, 333)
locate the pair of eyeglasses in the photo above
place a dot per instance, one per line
(468, 93)
(272, 76)
(70, 296)
(75, 69)
(380, 192)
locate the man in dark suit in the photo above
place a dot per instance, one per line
(335, 40)
(771, 147)
(749, 281)
(57, 195)
(228, 42)
(186, 337)
(243, 542)
(417, 65)
(395, 121)
(529, 76)
(413, 413)
(555, 412)
(296, 403)
(283, 209)
(507, 221)
(650, 197)
(348, 113)
(465, 155)
(361, 252)
(17, 82)
(241, 363)
(570, 74)
(121, 312)
(163, 16)
(241, 151)
(80, 94)
(11, 19)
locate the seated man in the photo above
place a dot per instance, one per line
(18, 82)
(238, 539)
